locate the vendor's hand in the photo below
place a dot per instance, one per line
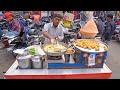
(57, 37)
(52, 40)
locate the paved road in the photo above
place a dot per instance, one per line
(6, 60)
(113, 60)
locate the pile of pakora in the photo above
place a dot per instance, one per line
(89, 44)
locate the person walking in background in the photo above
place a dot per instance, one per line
(100, 26)
(26, 15)
(109, 29)
(102, 14)
(75, 15)
(78, 14)
(90, 15)
(83, 18)
(103, 19)
(36, 17)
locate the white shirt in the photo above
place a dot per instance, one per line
(54, 32)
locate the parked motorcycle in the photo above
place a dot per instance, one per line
(32, 35)
(115, 35)
(12, 42)
(43, 21)
(71, 33)
(3, 26)
(34, 31)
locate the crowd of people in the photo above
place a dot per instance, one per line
(16, 26)
(105, 24)
(17, 23)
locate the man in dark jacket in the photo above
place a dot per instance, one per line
(109, 29)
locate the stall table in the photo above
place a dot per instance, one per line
(85, 73)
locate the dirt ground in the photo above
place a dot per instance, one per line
(6, 60)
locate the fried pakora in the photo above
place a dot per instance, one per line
(88, 44)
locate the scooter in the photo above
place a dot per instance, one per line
(12, 42)
(71, 33)
(43, 21)
(116, 35)
(3, 26)
(32, 35)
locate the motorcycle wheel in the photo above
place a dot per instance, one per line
(113, 37)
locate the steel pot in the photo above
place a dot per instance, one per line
(24, 62)
(36, 62)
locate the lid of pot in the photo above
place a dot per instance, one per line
(24, 57)
(36, 57)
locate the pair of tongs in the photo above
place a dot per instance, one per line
(54, 41)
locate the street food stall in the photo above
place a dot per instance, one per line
(82, 59)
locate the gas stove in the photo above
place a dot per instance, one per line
(54, 57)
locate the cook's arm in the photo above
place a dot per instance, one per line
(45, 32)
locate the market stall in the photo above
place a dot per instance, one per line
(87, 73)
(81, 59)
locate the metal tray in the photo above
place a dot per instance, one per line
(93, 50)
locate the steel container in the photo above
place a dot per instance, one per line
(36, 62)
(24, 62)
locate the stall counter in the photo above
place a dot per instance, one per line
(87, 73)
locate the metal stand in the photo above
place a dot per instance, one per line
(86, 73)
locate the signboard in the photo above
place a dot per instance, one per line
(91, 60)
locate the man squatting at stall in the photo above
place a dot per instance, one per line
(13, 26)
(54, 29)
